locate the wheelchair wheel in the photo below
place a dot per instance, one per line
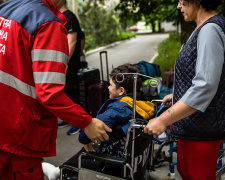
(220, 175)
(220, 172)
(161, 156)
(150, 176)
(153, 177)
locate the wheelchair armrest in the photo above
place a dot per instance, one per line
(71, 168)
(107, 158)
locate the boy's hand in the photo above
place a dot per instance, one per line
(96, 130)
(89, 147)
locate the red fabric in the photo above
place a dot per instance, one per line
(51, 36)
(51, 95)
(23, 168)
(40, 66)
(6, 172)
(28, 123)
(53, 8)
(197, 160)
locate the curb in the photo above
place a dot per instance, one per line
(153, 58)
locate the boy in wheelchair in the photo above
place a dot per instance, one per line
(115, 113)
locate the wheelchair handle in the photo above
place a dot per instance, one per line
(138, 126)
(135, 74)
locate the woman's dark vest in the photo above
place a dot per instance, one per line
(209, 125)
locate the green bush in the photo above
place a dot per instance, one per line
(125, 35)
(168, 51)
(90, 41)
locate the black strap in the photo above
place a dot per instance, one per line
(146, 68)
(154, 65)
(31, 170)
(14, 175)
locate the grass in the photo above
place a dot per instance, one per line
(168, 51)
(125, 35)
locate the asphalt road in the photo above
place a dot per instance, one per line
(142, 47)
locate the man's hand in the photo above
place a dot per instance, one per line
(96, 130)
(155, 127)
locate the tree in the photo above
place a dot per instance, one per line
(149, 10)
(99, 22)
(186, 29)
(160, 10)
(221, 9)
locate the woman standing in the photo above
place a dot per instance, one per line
(198, 112)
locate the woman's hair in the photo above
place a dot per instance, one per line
(128, 79)
(208, 5)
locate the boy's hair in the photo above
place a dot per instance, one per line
(128, 80)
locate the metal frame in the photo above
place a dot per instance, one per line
(132, 128)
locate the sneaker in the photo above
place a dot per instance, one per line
(73, 130)
(63, 124)
(50, 171)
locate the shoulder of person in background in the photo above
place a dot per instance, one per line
(72, 24)
(82, 36)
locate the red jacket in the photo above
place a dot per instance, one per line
(33, 57)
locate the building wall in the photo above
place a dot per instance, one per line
(72, 5)
(168, 26)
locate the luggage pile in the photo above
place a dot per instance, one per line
(93, 90)
(167, 83)
(164, 85)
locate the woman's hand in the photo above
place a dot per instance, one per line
(155, 127)
(167, 100)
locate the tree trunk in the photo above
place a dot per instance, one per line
(153, 26)
(159, 25)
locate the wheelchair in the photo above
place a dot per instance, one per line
(159, 155)
(137, 157)
(220, 169)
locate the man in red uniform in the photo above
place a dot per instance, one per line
(33, 58)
